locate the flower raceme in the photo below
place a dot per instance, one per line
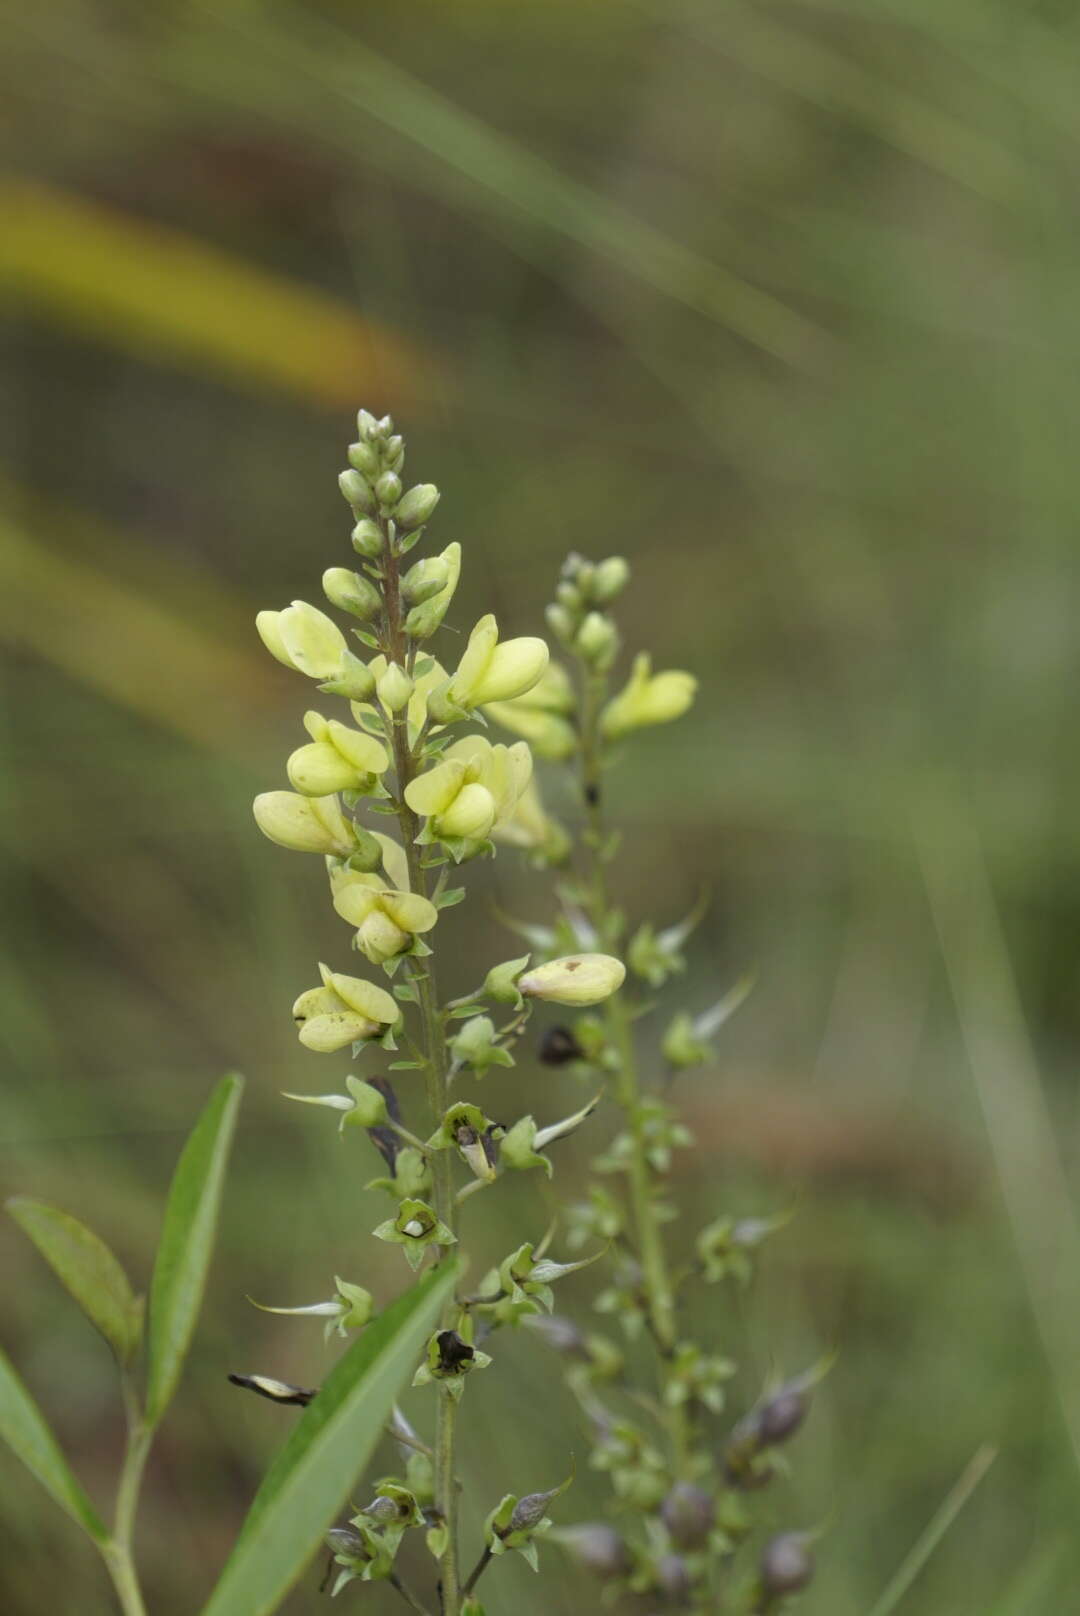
(345, 1010)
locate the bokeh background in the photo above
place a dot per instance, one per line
(779, 301)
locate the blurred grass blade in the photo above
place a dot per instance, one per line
(305, 1486)
(157, 292)
(924, 1546)
(24, 1430)
(187, 1239)
(86, 1268)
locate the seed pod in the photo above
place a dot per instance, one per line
(687, 1512)
(786, 1564)
(781, 1416)
(558, 1047)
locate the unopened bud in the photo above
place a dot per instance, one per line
(425, 579)
(688, 1514)
(367, 538)
(560, 622)
(673, 1576)
(357, 490)
(596, 641)
(781, 1416)
(364, 459)
(350, 592)
(394, 688)
(415, 507)
(575, 979)
(609, 579)
(786, 1564)
(388, 489)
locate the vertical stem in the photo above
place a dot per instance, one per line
(117, 1553)
(659, 1298)
(435, 1079)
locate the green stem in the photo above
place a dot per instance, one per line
(435, 1076)
(659, 1295)
(118, 1551)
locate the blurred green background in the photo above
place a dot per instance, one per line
(777, 300)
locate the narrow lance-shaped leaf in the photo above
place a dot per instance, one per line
(310, 1479)
(23, 1428)
(187, 1239)
(87, 1269)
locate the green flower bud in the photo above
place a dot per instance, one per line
(357, 491)
(364, 459)
(394, 688)
(416, 507)
(577, 979)
(609, 579)
(425, 618)
(425, 578)
(367, 538)
(596, 641)
(388, 489)
(350, 592)
(560, 622)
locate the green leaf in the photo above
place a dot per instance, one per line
(311, 1477)
(87, 1268)
(23, 1428)
(187, 1239)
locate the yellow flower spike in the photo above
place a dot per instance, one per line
(576, 979)
(489, 671)
(337, 759)
(647, 698)
(304, 824)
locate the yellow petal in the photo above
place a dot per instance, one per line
(319, 770)
(365, 998)
(355, 900)
(313, 641)
(305, 824)
(433, 792)
(470, 815)
(269, 627)
(512, 668)
(328, 1033)
(409, 910)
(363, 751)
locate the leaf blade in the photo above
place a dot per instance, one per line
(305, 1486)
(24, 1429)
(87, 1269)
(186, 1243)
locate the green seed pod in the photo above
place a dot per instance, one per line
(357, 490)
(350, 592)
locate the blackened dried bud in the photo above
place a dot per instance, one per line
(781, 1416)
(673, 1577)
(278, 1391)
(688, 1513)
(558, 1047)
(786, 1565)
(385, 1140)
(453, 1351)
(559, 1333)
(599, 1548)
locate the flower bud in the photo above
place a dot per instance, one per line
(688, 1514)
(560, 622)
(781, 1416)
(577, 979)
(425, 578)
(489, 671)
(395, 452)
(596, 641)
(394, 688)
(415, 507)
(357, 491)
(304, 824)
(350, 592)
(388, 489)
(609, 579)
(647, 698)
(673, 1578)
(364, 459)
(425, 618)
(786, 1565)
(367, 538)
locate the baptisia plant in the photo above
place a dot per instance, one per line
(683, 1477)
(399, 788)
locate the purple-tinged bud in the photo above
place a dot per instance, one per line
(688, 1514)
(599, 1548)
(786, 1565)
(673, 1577)
(781, 1416)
